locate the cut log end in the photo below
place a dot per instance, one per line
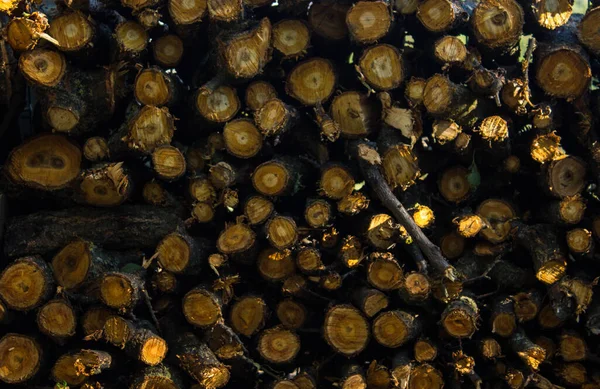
(385, 274)
(416, 286)
(355, 114)
(57, 319)
(425, 350)
(271, 178)
(202, 190)
(46, 162)
(382, 67)
(168, 50)
(248, 315)
(415, 88)
(498, 24)
(153, 350)
(219, 105)
(336, 182)
(566, 176)
(450, 50)
(174, 253)
(131, 37)
(152, 87)
(148, 18)
(526, 306)
(118, 291)
(490, 348)
(572, 347)
(572, 209)
(494, 130)
(149, 128)
(72, 30)
(400, 167)
(381, 231)
(564, 73)
(318, 213)
(258, 93)
(588, 28)
(552, 14)
(236, 238)
(368, 21)
(546, 148)
(93, 320)
(247, 53)
(329, 20)
(423, 216)
(452, 245)
(579, 240)
(497, 215)
(225, 10)
(95, 149)
(278, 345)
(309, 261)
(201, 308)
(105, 186)
(272, 118)
(43, 67)
(71, 265)
(573, 374)
(242, 138)
(291, 38)
(64, 370)
(454, 184)
(159, 377)
(437, 15)
(291, 314)
(274, 265)
(460, 318)
(394, 328)
(426, 376)
(168, 162)
(117, 331)
(21, 358)
(186, 12)
(258, 209)
(311, 81)
(26, 283)
(346, 330)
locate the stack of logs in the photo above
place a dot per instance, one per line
(298, 195)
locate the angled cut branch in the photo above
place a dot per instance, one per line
(369, 161)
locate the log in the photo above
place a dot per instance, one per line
(126, 227)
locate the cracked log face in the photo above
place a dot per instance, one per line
(498, 24)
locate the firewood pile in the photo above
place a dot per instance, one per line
(299, 195)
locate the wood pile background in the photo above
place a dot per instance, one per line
(294, 195)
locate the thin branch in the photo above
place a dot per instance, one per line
(525, 67)
(369, 161)
(148, 300)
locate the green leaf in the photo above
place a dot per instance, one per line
(359, 185)
(474, 177)
(131, 268)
